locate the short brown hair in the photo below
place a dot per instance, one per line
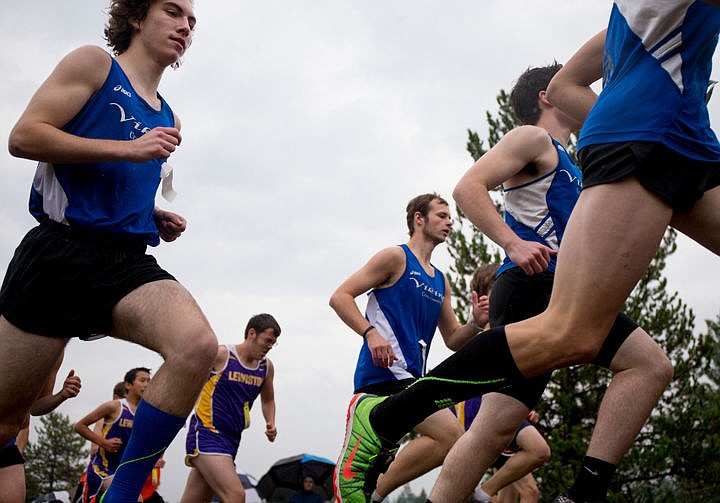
(420, 204)
(524, 95)
(483, 278)
(261, 322)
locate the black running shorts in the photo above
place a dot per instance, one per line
(677, 179)
(517, 296)
(10, 456)
(64, 283)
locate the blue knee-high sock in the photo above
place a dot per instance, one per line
(152, 432)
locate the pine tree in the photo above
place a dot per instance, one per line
(57, 459)
(408, 496)
(675, 455)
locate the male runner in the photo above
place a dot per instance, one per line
(487, 362)
(409, 299)
(117, 417)
(149, 490)
(240, 373)
(102, 133)
(541, 186)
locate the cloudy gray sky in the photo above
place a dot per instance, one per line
(307, 126)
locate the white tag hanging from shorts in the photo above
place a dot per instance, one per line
(167, 191)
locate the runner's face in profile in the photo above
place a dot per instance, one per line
(142, 379)
(438, 222)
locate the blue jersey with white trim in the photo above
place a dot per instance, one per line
(112, 197)
(656, 69)
(406, 314)
(539, 210)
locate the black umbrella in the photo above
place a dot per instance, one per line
(284, 478)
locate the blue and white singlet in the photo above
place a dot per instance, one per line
(656, 68)
(406, 314)
(112, 197)
(551, 198)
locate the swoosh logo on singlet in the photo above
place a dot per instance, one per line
(347, 472)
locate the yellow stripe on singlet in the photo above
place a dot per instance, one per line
(203, 409)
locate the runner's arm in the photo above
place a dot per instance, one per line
(383, 269)
(106, 411)
(518, 148)
(38, 135)
(267, 402)
(569, 89)
(453, 333)
(47, 401)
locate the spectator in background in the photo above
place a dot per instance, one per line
(307, 493)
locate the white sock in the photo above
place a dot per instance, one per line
(376, 497)
(481, 495)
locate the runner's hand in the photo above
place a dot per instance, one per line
(530, 256)
(270, 432)
(71, 386)
(158, 143)
(380, 349)
(481, 309)
(169, 224)
(112, 444)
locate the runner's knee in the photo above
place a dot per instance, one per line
(662, 370)
(195, 348)
(656, 365)
(540, 453)
(643, 355)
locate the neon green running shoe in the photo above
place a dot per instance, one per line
(364, 456)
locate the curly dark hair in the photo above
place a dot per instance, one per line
(118, 30)
(524, 96)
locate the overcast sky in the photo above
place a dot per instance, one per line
(307, 126)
